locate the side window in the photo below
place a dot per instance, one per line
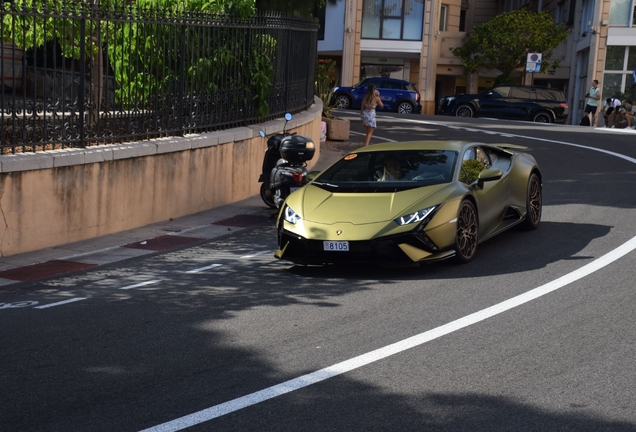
(391, 85)
(500, 92)
(375, 81)
(522, 93)
(474, 161)
(470, 154)
(482, 157)
(545, 94)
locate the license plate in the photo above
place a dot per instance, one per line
(338, 246)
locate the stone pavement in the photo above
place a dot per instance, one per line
(155, 238)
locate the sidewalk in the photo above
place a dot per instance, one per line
(159, 237)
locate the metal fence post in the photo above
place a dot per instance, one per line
(81, 95)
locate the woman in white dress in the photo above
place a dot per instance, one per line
(367, 111)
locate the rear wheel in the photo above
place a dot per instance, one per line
(465, 111)
(542, 117)
(266, 195)
(467, 230)
(343, 101)
(405, 108)
(534, 203)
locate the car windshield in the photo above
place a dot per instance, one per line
(388, 171)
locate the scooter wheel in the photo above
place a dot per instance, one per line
(266, 195)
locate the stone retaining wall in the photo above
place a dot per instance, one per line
(56, 197)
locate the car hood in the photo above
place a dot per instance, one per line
(322, 206)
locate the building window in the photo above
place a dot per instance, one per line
(509, 5)
(571, 12)
(622, 12)
(588, 16)
(462, 20)
(443, 16)
(559, 16)
(620, 63)
(392, 19)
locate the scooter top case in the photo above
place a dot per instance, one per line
(297, 148)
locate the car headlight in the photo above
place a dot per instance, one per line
(290, 215)
(417, 217)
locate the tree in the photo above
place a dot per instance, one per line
(503, 42)
(143, 54)
(293, 7)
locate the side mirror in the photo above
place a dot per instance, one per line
(489, 174)
(288, 116)
(261, 133)
(312, 175)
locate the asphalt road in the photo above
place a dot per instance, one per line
(535, 334)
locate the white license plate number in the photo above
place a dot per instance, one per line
(336, 246)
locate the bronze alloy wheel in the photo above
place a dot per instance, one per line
(534, 203)
(467, 229)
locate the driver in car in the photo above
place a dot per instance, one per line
(392, 170)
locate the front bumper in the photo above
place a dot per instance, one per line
(400, 249)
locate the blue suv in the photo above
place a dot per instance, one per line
(397, 95)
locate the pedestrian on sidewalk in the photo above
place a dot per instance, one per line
(593, 96)
(628, 114)
(367, 111)
(610, 114)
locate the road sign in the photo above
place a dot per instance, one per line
(533, 62)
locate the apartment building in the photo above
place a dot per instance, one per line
(411, 39)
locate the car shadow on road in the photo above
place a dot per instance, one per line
(513, 251)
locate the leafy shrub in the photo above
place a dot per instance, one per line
(323, 87)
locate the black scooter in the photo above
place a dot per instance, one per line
(284, 165)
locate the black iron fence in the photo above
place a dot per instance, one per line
(82, 74)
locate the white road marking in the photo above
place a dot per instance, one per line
(398, 347)
(60, 303)
(19, 304)
(150, 282)
(256, 254)
(406, 344)
(204, 268)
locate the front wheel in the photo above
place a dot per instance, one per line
(534, 203)
(467, 231)
(405, 108)
(542, 117)
(266, 195)
(465, 111)
(343, 101)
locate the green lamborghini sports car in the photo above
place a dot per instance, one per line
(412, 202)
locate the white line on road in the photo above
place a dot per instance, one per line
(398, 347)
(374, 136)
(150, 282)
(256, 254)
(406, 344)
(204, 268)
(60, 303)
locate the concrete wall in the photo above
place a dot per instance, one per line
(56, 197)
